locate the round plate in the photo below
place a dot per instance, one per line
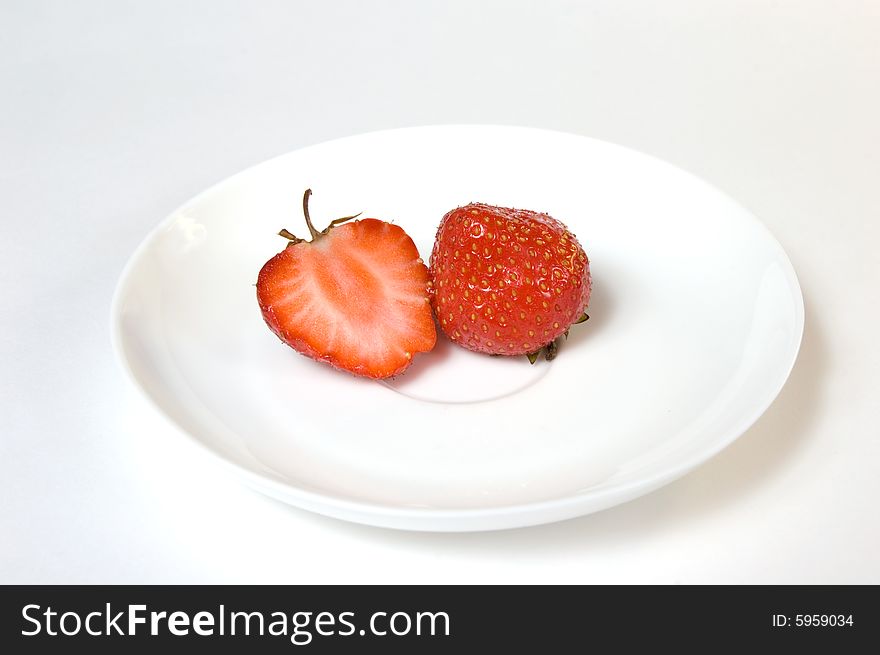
(696, 320)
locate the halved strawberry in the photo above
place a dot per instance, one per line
(355, 296)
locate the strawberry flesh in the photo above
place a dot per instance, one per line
(356, 297)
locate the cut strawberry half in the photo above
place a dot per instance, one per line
(355, 296)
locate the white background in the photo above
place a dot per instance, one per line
(114, 113)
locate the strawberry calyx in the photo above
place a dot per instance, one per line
(551, 349)
(315, 234)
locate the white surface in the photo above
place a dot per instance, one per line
(114, 113)
(697, 319)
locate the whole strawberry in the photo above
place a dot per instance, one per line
(507, 281)
(355, 296)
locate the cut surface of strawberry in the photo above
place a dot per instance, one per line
(355, 297)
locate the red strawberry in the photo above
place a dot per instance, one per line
(507, 281)
(355, 296)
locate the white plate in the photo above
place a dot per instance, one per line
(696, 320)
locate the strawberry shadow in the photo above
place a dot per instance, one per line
(423, 362)
(600, 311)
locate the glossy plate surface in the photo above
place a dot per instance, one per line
(696, 320)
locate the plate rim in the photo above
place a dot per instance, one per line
(473, 518)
